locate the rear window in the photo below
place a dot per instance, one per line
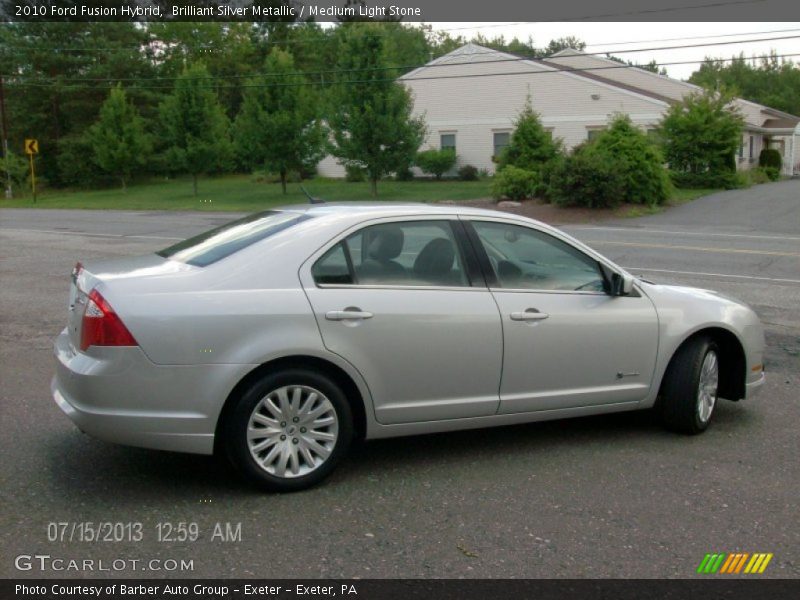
(214, 245)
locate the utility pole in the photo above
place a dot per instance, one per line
(4, 121)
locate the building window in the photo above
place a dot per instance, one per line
(447, 141)
(592, 134)
(501, 140)
(752, 147)
(741, 148)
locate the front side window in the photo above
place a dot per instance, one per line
(524, 258)
(411, 253)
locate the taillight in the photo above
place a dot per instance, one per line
(102, 326)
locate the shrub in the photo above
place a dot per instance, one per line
(354, 174)
(757, 175)
(702, 134)
(531, 145)
(514, 183)
(18, 169)
(436, 162)
(727, 180)
(770, 158)
(468, 173)
(586, 179)
(404, 175)
(637, 160)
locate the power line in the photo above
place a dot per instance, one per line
(549, 70)
(695, 37)
(409, 68)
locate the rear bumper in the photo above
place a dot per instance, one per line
(118, 395)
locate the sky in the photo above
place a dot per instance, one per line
(606, 37)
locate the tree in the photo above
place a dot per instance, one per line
(436, 162)
(118, 137)
(278, 126)
(68, 65)
(701, 135)
(195, 126)
(636, 160)
(530, 146)
(370, 116)
(768, 80)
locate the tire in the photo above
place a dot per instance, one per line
(307, 428)
(686, 407)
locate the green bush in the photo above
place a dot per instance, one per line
(404, 175)
(531, 145)
(757, 175)
(770, 158)
(468, 173)
(18, 169)
(586, 179)
(726, 180)
(354, 174)
(436, 162)
(514, 183)
(637, 160)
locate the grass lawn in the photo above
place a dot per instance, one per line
(241, 193)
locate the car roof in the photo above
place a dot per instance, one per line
(393, 209)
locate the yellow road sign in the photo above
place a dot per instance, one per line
(31, 146)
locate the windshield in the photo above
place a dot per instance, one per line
(214, 245)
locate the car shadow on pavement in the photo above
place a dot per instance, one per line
(81, 465)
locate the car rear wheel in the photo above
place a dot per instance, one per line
(689, 391)
(288, 431)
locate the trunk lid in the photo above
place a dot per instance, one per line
(87, 276)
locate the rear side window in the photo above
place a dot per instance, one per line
(413, 253)
(214, 245)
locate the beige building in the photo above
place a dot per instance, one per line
(471, 96)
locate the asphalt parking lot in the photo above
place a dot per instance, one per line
(613, 496)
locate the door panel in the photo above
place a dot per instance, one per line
(425, 354)
(394, 299)
(567, 343)
(590, 349)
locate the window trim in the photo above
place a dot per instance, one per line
(491, 277)
(466, 253)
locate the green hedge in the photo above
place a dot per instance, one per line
(514, 183)
(770, 158)
(586, 179)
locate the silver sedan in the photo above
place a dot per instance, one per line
(279, 338)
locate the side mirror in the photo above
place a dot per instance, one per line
(621, 284)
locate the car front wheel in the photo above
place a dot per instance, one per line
(689, 391)
(288, 431)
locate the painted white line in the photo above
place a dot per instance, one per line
(86, 234)
(689, 248)
(776, 279)
(734, 235)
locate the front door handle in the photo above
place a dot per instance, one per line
(348, 314)
(530, 314)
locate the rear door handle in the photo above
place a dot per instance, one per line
(348, 315)
(530, 314)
